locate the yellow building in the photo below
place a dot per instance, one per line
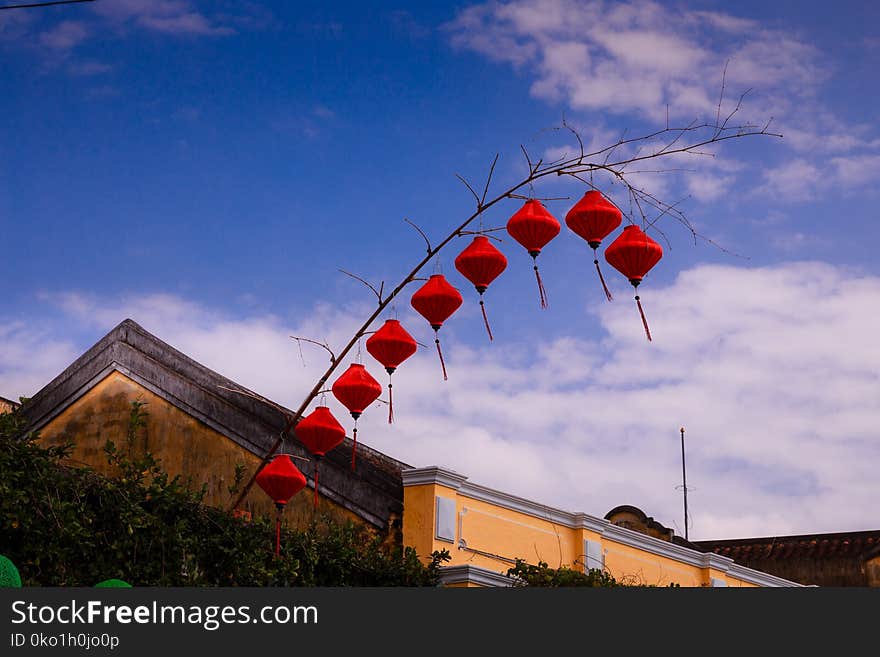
(200, 428)
(486, 530)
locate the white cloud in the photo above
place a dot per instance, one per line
(796, 180)
(856, 170)
(801, 180)
(771, 370)
(635, 57)
(665, 64)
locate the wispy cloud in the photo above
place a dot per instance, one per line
(767, 368)
(65, 35)
(166, 16)
(801, 180)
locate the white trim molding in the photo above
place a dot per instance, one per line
(470, 574)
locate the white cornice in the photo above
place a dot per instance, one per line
(470, 574)
(432, 475)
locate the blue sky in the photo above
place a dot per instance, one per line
(206, 169)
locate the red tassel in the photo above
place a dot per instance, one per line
(644, 321)
(278, 532)
(601, 278)
(390, 405)
(316, 483)
(541, 290)
(354, 437)
(440, 353)
(485, 319)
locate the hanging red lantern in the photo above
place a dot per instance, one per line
(481, 263)
(281, 480)
(436, 300)
(320, 432)
(533, 227)
(356, 389)
(594, 217)
(633, 254)
(391, 345)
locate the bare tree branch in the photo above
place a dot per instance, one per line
(689, 139)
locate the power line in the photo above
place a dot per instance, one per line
(44, 4)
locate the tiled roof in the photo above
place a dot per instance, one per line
(844, 545)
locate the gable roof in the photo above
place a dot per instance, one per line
(374, 491)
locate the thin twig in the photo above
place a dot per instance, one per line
(542, 198)
(358, 278)
(323, 345)
(468, 185)
(488, 180)
(421, 232)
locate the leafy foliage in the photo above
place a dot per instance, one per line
(65, 526)
(541, 575)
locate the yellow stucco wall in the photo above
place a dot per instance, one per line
(183, 445)
(495, 536)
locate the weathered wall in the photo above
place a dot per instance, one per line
(872, 571)
(184, 446)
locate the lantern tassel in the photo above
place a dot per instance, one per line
(485, 319)
(440, 353)
(390, 405)
(354, 437)
(644, 321)
(278, 531)
(541, 289)
(317, 461)
(601, 278)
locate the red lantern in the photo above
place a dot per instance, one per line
(356, 389)
(391, 345)
(436, 300)
(320, 432)
(281, 480)
(533, 227)
(481, 263)
(633, 254)
(594, 218)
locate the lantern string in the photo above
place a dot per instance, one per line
(602, 279)
(390, 402)
(440, 353)
(541, 291)
(354, 437)
(644, 321)
(485, 319)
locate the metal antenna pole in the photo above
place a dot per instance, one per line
(684, 486)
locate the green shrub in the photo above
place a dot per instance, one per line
(66, 526)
